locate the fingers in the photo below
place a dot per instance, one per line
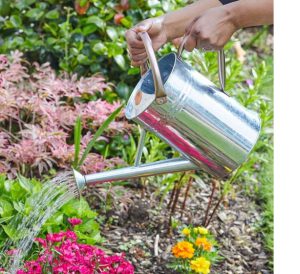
(142, 57)
(136, 48)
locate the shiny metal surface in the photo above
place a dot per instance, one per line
(145, 170)
(140, 147)
(208, 127)
(79, 179)
(222, 70)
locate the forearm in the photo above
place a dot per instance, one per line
(249, 13)
(176, 22)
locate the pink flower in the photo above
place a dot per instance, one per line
(55, 237)
(68, 256)
(74, 221)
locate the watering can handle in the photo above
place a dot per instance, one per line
(221, 62)
(160, 94)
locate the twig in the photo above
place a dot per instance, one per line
(177, 192)
(215, 209)
(156, 245)
(172, 196)
(214, 184)
(186, 195)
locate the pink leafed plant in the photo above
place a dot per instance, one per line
(60, 253)
(38, 110)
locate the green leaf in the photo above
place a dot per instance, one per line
(133, 71)
(35, 14)
(6, 208)
(18, 206)
(77, 139)
(16, 21)
(96, 20)
(112, 33)
(83, 59)
(88, 29)
(25, 183)
(52, 14)
(126, 22)
(123, 90)
(98, 133)
(5, 219)
(120, 61)
(99, 48)
(113, 49)
(82, 3)
(10, 231)
(4, 7)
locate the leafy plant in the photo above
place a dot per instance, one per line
(82, 37)
(37, 113)
(17, 197)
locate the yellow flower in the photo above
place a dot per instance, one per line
(186, 231)
(183, 250)
(204, 243)
(200, 265)
(201, 230)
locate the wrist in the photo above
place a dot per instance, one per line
(166, 27)
(233, 15)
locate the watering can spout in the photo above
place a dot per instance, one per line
(160, 167)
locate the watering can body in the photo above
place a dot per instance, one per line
(197, 118)
(211, 130)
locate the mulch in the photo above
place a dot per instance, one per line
(133, 223)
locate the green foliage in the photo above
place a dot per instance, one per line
(17, 197)
(80, 39)
(98, 133)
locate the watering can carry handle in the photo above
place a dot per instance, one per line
(160, 94)
(221, 62)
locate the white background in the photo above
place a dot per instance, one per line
(287, 136)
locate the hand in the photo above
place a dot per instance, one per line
(154, 27)
(211, 30)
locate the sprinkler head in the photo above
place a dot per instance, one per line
(80, 180)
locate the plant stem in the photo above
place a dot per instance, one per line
(214, 184)
(177, 188)
(186, 195)
(215, 209)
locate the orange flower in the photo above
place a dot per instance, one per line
(183, 250)
(204, 243)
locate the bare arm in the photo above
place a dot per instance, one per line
(213, 28)
(249, 13)
(164, 28)
(176, 22)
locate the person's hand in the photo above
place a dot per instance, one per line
(154, 27)
(211, 30)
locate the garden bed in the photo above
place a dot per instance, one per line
(134, 230)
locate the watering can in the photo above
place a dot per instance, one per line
(211, 130)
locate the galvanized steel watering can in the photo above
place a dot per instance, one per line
(211, 130)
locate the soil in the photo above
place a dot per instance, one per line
(132, 225)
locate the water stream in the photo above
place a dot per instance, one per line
(53, 195)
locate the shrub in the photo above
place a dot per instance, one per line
(37, 112)
(78, 36)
